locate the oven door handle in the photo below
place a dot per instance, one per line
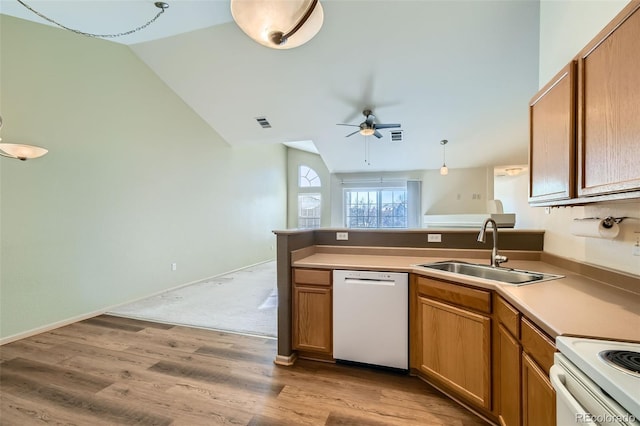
(558, 381)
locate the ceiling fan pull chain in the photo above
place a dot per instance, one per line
(160, 5)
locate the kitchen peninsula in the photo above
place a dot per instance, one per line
(586, 301)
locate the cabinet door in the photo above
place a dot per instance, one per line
(609, 108)
(552, 116)
(509, 396)
(455, 349)
(538, 396)
(312, 316)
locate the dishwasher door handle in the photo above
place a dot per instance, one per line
(364, 281)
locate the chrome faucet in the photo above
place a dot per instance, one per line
(496, 259)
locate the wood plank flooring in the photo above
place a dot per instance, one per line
(109, 370)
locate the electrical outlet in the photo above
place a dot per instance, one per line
(342, 236)
(434, 238)
(174, 266)
(547, 210)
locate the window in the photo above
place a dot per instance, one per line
(307, 177)
(309, 210)
(376, 208)
(309, 200)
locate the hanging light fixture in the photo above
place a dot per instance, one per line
(159, 4)
(444, 170)
(20, 151)
(278, 24)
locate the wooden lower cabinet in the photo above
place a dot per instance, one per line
(538, 396)
(312, 321)
(523, 355)
(508, 357)
(455, 349)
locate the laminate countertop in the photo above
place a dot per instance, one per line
(574, 305)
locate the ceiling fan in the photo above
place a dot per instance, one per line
(369, 126)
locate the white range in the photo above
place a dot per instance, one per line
(597, 382)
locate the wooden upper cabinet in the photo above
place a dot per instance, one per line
(609, 108)
(552, 117)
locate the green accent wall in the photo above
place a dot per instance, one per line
(134, 181)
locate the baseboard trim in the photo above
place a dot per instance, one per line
(286, 361)
(50, 327)
(82, 317)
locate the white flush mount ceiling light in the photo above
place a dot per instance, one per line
(278, 24)
(513, 171)
(20, 151)
(444, 170)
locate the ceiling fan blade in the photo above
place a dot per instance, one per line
(351, 134)
(377, 134)
(387, 126)
(352, 125)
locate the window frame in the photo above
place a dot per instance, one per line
(379, 206)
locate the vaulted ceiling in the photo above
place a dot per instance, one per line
(452, 69)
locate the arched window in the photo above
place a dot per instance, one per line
(309, 200)
(307, 177)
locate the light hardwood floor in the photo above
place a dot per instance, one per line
(111, 370)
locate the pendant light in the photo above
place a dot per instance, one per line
(444, 170)
(278, 24)
(20, 151)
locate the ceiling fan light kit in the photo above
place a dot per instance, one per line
(369, 126)
(278, 24)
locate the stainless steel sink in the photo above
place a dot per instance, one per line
(504, 275)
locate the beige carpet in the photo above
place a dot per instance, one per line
(245, 301)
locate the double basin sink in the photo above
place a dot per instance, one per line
(504, 275)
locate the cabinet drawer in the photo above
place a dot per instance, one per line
(312, 276)
(479, 300)
(508, 316)
(537, 345)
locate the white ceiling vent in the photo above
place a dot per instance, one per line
(263, 122)
(396, 135)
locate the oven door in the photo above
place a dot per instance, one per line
(579, 401)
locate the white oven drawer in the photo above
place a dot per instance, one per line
(579, 401)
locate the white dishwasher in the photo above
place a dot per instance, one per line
(371, 318)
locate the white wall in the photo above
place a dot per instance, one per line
(461, 191)
(134, 181)
(565, 28)
(512, 191)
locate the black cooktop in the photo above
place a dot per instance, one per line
(627, 361)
